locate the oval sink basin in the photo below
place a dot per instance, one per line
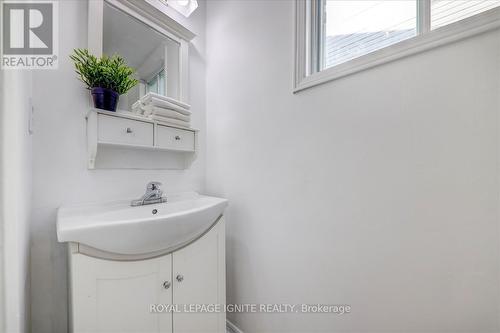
(116, 227)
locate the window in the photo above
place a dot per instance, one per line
(444, 12)
(355, 28)
(340, 37)
(157, 84)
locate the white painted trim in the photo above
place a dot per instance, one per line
(152, 12)
(233, 328)
(144, 16)
(180, 30)
(423, 16)
(468, 27)
(95, 25)
(301, 35)
(184, 72)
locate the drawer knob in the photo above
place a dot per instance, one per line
(180, 278)
(177, 137)
(129, 130)
(166, 284)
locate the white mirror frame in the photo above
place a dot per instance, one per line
(149, 12)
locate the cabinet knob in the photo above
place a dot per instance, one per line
(129, 130)
(179, 278)
(166, 284)
(177, 137)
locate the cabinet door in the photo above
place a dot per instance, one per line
(116, 296)
(199, 278)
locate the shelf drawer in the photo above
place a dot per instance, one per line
(124, 131)
(175, 138)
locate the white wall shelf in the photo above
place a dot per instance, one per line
(125, 140)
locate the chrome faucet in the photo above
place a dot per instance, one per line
(153, 195)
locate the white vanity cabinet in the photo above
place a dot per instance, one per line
(200, 268)
(114, 296)
(118, 295)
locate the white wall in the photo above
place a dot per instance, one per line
(15, 199)
(60, 173)
(379, 190)
(2, 220)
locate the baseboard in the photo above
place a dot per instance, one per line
(232, 328)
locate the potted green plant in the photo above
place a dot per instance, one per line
(106, 77)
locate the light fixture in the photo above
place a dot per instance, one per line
(185, 7)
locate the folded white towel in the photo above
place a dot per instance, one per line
(155, 110)
(136, 107)
(164, 104)
(167, 99)
(170, 121)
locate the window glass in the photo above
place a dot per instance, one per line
(350, 29)
(153, 85)
(161, 83)
(444, 12)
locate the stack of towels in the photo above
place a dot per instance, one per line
(164, 109)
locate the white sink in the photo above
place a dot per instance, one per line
(117, 227)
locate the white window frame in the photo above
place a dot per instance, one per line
(305, 75)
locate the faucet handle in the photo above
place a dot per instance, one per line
(153, 186)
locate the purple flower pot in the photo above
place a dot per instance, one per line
(105, 99)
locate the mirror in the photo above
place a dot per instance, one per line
(154, 56)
